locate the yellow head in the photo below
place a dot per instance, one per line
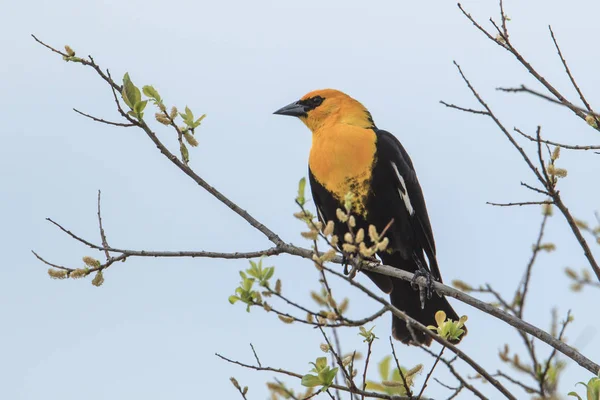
(328, 107)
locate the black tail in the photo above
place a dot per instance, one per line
(407, 299)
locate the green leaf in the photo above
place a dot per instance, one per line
(233, 299)
(138, 108)
(593, 389)
(269, 273)
(198, 121)
(574, 395)
(151, 92)
(374, 386)
(329, 376)
(321, 363)
(384, 368)
(188, 117)
(184, 153)
(301, 186)
(131, 94)
(309, 380)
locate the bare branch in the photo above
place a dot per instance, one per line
(404, 382)
(523, 203)
(437, 360)
(469, 110)
(564, 146)
(568, 71)
(127, 125)
(453, 371)
(102, 234)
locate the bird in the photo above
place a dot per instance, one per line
(349, 155)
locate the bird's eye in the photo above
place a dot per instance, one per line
(316, 101)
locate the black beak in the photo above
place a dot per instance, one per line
(294, 110)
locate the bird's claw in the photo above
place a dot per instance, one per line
(426, 291)
(345, 263)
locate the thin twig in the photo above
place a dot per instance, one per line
(364, 385)
(255, 355)
(528, 269)
(453, 371)
(437, 360)
(564, 146)
(568, 71)
(469, 110)
(517, 382)
(522, 203)
(127, 125)
(102, 233)
(404, 382)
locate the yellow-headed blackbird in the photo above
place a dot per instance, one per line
(349, 154)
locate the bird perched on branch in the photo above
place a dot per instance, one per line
(350, 155)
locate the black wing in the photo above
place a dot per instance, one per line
(397, 194)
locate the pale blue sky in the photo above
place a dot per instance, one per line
(152, 330)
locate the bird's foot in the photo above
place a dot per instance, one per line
(345, 263)
(425, 291)
(357, 264)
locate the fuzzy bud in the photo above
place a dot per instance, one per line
(162, 118)
(285, 319)
(98, 279)
(460, 285)
(235, 383)
(348, 237)
(373, 235)
(591, 121)
(555, 154)
(331, 301)
(57, 273)
(300, 215)
(78, 273)
(349, 248)
(191, 139)
(366, 251)
(352, 221)
(91, 262)
(318, 299)
(312, 235)
(329, 255)
(329, 228)
(173, 113)
(341, 216)
(324, 347)
(343, 305)
(381, 246)
(69, 51)
(549, 247)
(571, 273)
(278, 286)
(334, 240)
(347, 360)
(360, 236)
(414, 370)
